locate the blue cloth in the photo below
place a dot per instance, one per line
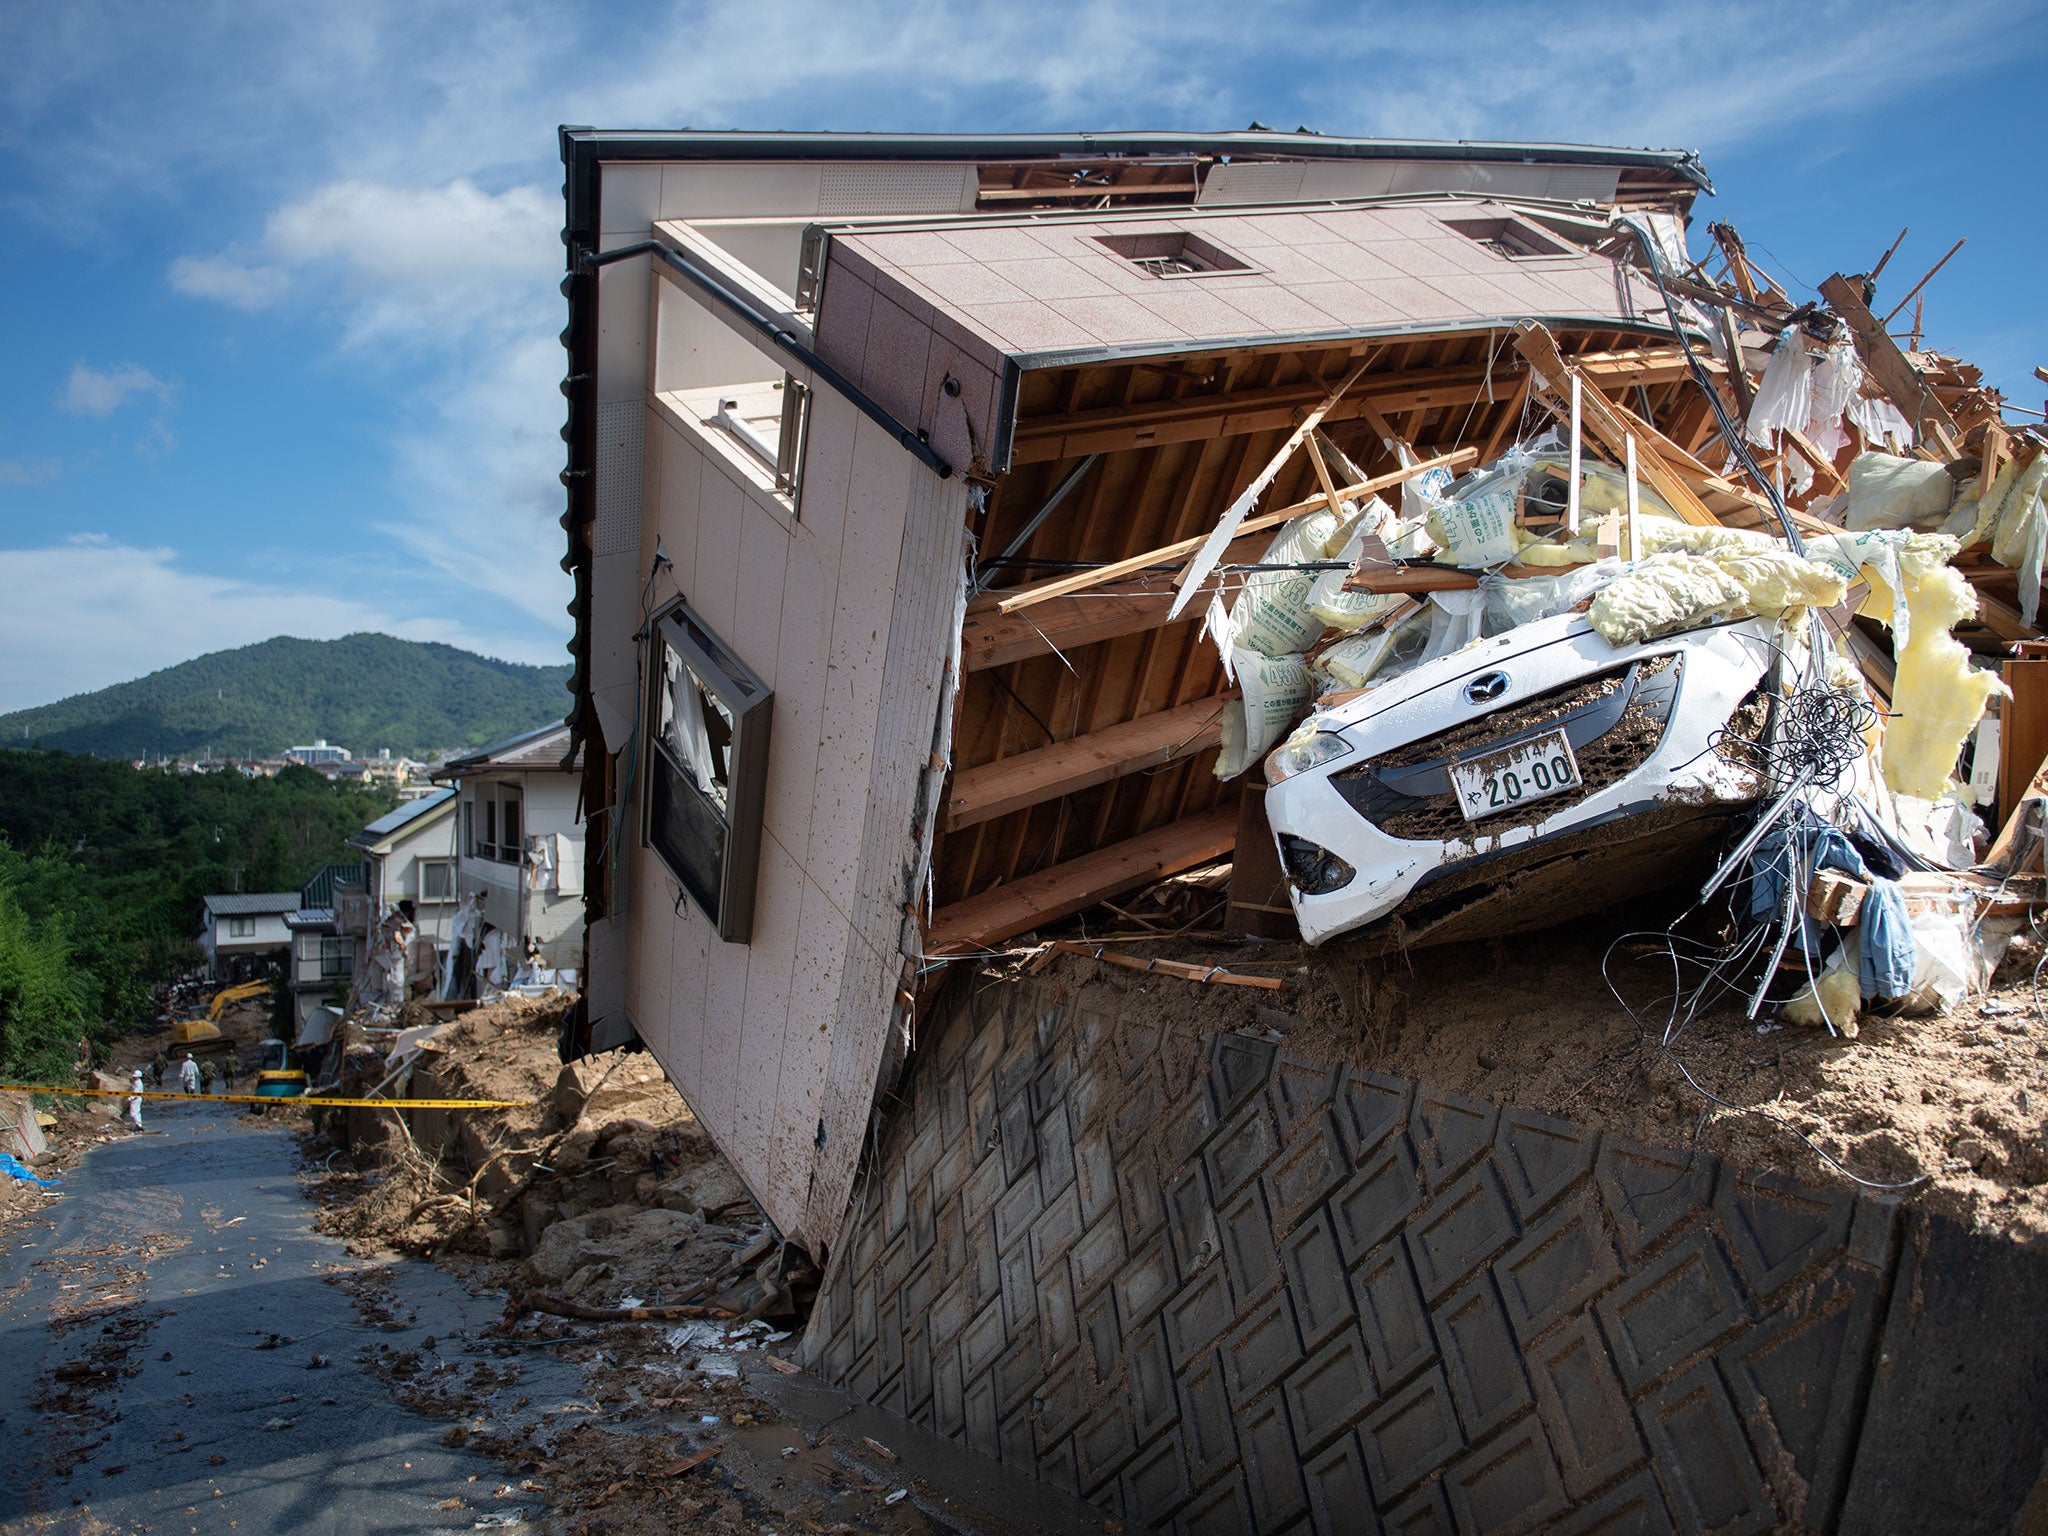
(12, 1166)
(1889, 955)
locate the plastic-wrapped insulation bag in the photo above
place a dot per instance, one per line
(1275, 690)
(2021, 507)
(1992, 502)
(1889, 492)
(1327, 599)
(1271, 613)
(1373, 656)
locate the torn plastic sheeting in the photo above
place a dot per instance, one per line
(2020, 507)
(13, 1167)
(1784, 395)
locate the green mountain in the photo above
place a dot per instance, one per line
(363, 692)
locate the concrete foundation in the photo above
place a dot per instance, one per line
(1211, 1286)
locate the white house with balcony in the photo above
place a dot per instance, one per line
(519, 842)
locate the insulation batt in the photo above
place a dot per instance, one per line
(1937, 697)
(1696, 575)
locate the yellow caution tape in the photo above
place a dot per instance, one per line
(265, 1098)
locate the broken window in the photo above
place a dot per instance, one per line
(709, 757)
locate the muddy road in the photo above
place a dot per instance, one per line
(175, 1357)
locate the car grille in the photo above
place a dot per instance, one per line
(1614, 720)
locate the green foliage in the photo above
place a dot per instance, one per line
(364, 692)
(103, 868)
(43, 991)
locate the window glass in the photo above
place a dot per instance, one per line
(706, 777)
(697, 730)
(508, 826)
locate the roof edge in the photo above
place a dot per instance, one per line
(720, 144)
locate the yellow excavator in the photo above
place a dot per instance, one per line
(205, 1034)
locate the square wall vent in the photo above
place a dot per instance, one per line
(1175, 253)
(1508, 237)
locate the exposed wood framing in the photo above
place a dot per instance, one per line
(1032, 778)
(1067, 888)
(1903, 384)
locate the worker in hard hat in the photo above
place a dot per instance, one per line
(135, 1099)
(188, 1074)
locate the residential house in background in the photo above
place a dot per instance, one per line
(520, 852)
(402, 773)
(328, 931)
(409, 864)
(243, 931)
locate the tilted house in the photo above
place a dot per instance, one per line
(838, 403)
(409, 863)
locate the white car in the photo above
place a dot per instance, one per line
(1527, 778)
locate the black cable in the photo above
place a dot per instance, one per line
(1729, 430)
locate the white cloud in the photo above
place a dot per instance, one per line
(242, 285)
(93, 391)
(122, 611)
(30, 471)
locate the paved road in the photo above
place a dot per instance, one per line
(157, 1326)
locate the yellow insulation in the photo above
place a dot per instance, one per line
(1697, 574)
(1937, 697)
(1840, 998)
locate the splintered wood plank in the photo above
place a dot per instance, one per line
(1902, 383)
(1025, 597)
(1032, 778)
(1067, 888)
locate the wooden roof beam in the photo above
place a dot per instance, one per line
(1081, 762)
(1033, 900)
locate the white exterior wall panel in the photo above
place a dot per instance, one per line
(769, 1039)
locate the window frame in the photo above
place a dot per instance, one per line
(444, 867)
(727, 900)
(241, 926)
(337, 957)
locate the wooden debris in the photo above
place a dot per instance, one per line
(1214, 975)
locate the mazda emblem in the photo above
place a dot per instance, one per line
(1486, 687)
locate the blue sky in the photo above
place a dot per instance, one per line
(280, 281)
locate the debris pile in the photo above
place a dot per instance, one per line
(603, 1192)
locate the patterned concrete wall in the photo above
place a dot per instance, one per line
(1216, 1288)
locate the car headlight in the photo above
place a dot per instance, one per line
(1307, 748)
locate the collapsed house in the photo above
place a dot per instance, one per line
(970, 532)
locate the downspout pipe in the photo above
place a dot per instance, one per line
(766, 326)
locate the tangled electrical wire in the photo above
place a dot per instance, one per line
(1816, 737)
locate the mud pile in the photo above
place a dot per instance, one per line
(601, 1190)
(1950, 1111)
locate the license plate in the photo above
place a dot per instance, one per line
(1500, 781)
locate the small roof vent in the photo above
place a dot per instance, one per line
(1175, 253)
(1508, 237)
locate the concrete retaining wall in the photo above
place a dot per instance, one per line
(1212, 1286)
